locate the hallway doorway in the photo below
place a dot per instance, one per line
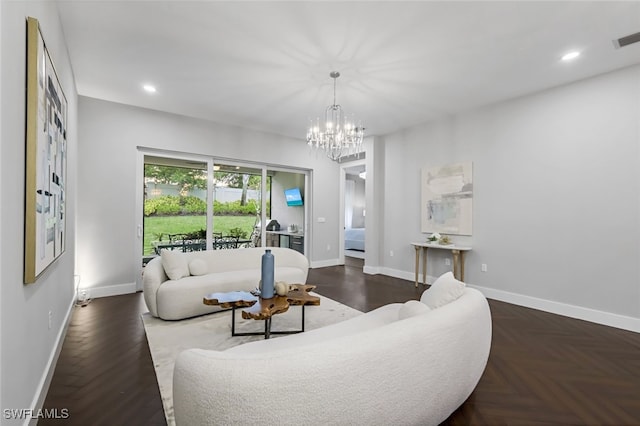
(354, 213)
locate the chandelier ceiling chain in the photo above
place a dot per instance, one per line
(337, 136)
(334, 75)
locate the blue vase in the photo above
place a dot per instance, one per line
(267, 275)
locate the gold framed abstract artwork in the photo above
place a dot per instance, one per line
(46, 159)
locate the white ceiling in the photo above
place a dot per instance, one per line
(266, 65)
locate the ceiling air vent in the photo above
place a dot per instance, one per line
(626, 40)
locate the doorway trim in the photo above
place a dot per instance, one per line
(342, 207)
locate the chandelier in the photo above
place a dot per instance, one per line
(336, 136)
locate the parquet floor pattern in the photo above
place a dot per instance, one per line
(547, 369)
(543, 369)
(104, 375)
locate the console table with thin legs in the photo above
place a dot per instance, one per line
(456, 251)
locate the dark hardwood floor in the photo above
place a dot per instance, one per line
(543, 369)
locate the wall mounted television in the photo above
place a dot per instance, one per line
(293, 196)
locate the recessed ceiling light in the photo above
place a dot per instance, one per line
(149, 88)
(571, 55)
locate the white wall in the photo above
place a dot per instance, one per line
(28, 346)
(556, 195)
(110, 134)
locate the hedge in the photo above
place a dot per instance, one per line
(174, 205)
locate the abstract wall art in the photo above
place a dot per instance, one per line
(45, 157)
(447, 199)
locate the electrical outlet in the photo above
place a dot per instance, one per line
(50, 319)
(447, 262)
(391, 253)
(483, 268)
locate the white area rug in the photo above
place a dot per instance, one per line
(168, 338)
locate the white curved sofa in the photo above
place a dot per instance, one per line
(383, 367)
(199, 273)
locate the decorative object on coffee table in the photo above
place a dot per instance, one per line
(266, 289)
(282, 288)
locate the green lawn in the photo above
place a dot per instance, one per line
(155, 225)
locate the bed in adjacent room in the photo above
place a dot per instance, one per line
(354, 239)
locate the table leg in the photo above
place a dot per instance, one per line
(267, 328)
(424, 265)
(417, 263)
(456, 265)
(233, 321)
(302, 328)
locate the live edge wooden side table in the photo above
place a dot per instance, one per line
(456, 251)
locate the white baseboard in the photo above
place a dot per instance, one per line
(110, 290)
(47, 375)
(372, 270)
(325, 263)
(564, 309)
(405, 275)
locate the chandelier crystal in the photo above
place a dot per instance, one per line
(336, 136)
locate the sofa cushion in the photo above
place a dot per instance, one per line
(446, 289)
(174, 264)
(197, 267)
(412, 308)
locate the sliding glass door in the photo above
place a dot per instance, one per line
(188, 202)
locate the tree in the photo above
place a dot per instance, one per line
(241, 181)
(225, 179)
(245, 186)
(186, 178)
